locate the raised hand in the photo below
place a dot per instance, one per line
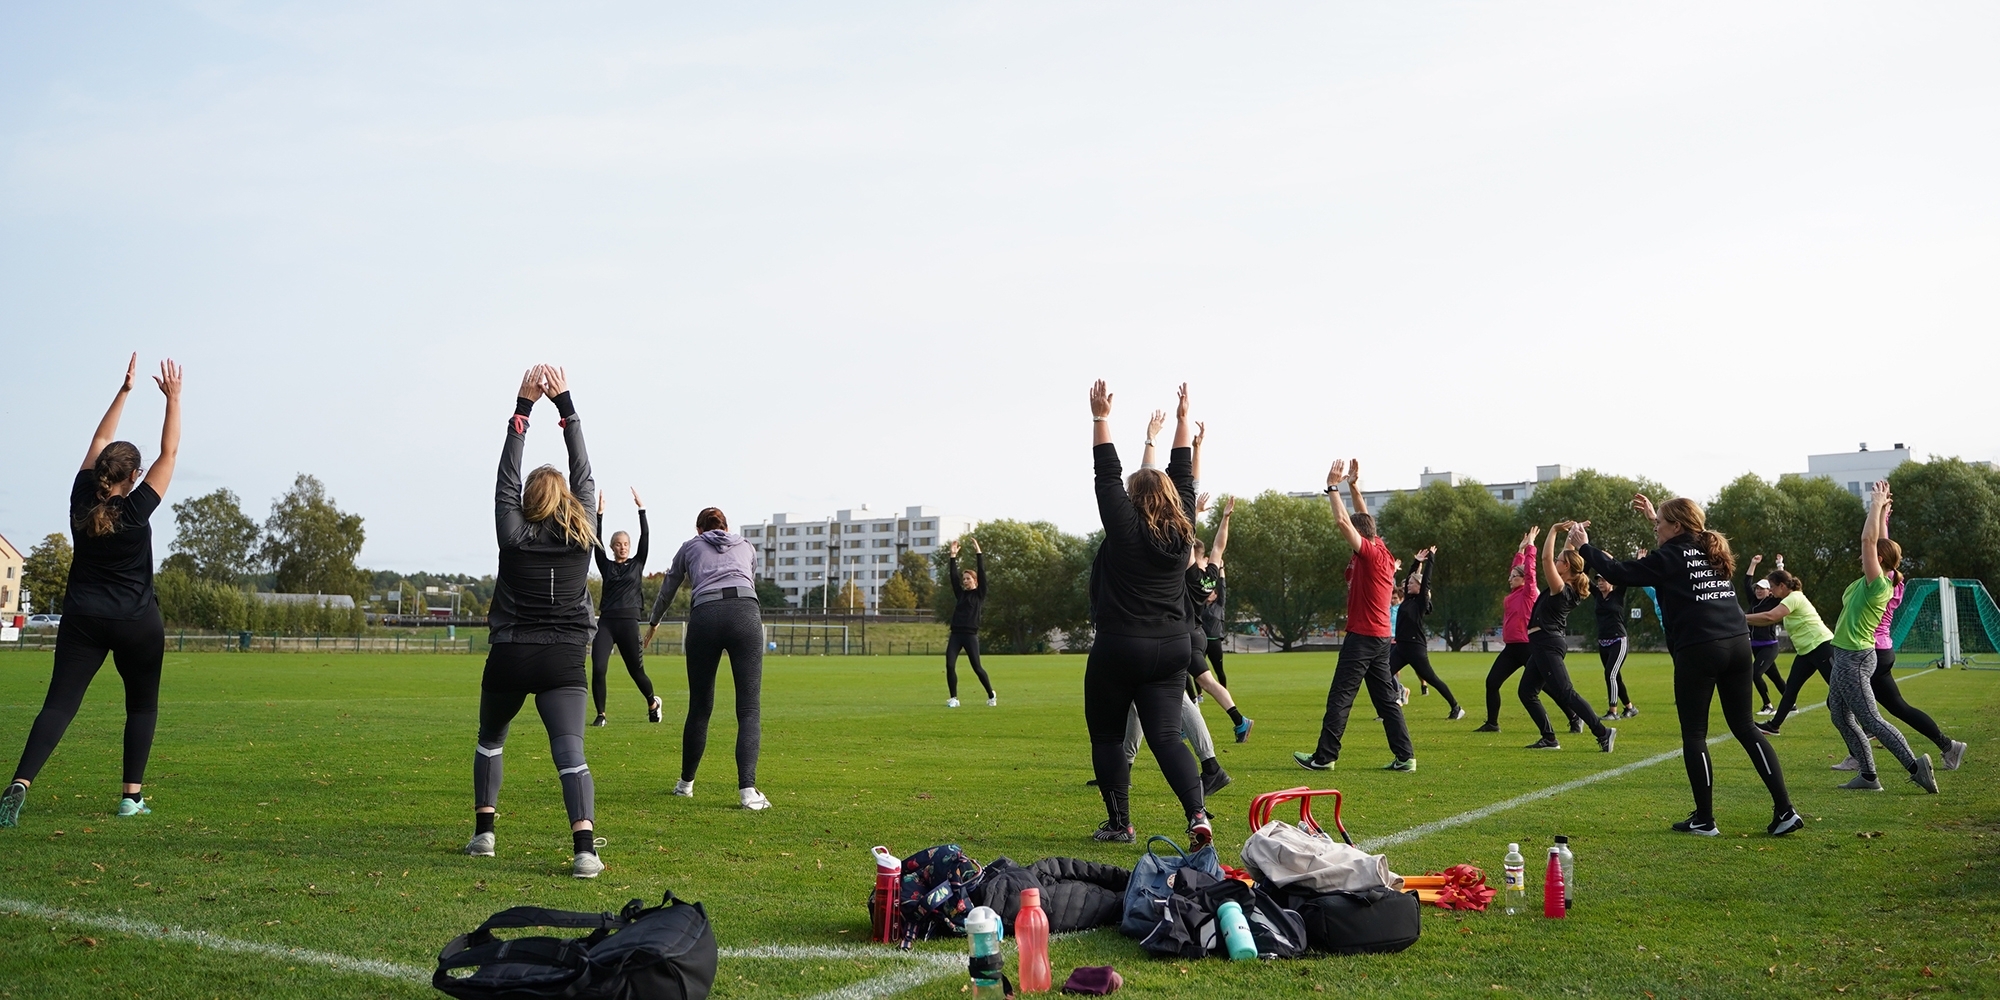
(1181, 406)
(131, 369)
(531, 384)
(1755, 560)
(1336, 474)
(1200, 431)
(1201, 503)
(975, 546)
(636, 502)
(1100, 400)
(1353, 470)
(169, 379)
(1578, 536)
(1645, 507)
(1529, 538)
(954, 548)
(1229, 507)
(1159, 420)
(554, 381)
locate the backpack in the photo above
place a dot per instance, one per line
(935, 893)
(1152, 881)
(1189, 925)
(664, 952)
(1353, 923)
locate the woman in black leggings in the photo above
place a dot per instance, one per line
(1709, 639)
(623, 570)
(109, 606)
(1412, 645)
(1763, 638)
(539, 622)
(723, 618)
(1515, 609)
(1139, 608)
(1612, 647)
(1563, 583)
(968, 591)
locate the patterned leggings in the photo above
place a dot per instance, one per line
(1851, 702)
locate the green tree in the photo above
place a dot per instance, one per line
(1035, 586)
(1814, 522)
(769, 594)
(1287, 564)
(1475, 537)
(311, 543)
(1606, 502)
(896, 595)
(1947, 518)
(219, 540)
(915, 572)
(45, 573)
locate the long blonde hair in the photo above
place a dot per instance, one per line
(1159, 506)
(547, 496)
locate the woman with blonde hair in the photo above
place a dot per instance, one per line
(109, 606)
(540, 622)
(1563, 585)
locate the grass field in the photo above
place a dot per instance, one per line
(319, 802)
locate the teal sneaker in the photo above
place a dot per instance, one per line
(1310, 762)
(127, 807)
(1243, 729)
(11, 802)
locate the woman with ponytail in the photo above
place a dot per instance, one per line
(1142, 619)
(1563, 585)
(110, 606)
(540, 622)
(1709, 638)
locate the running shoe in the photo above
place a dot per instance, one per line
(1403, 696)
(1457, 713)
(1922, 774)
(1200, 832)
(1631, 712)
(480, 846)
(1310, 762)
(684, 789)
(951, 703)
(1424, 687)
(601, 720)
(128, 807)
(586, 864)
(1767, 710)
(1491, 727)
(753, 799)
(1850, 764)
(1768, 729)
(1545, 743)
(1861, 784)
(1608, 716)
(992, 701)
(1405, 765)
(1951, 758)
(1697, 826)
(1243, 733)
(1112, 833)
(1575, 726)
(1608, 741)
(1212, 783)
(1790, 822)
(655, 710)
(11, 802)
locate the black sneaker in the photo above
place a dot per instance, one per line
(1457, 713)
(1212, 783)
(1576, 725)
(1768, 729)
(1545, 743)
(1697, 826)
(654, 709)
(1310, 762)
(600, 720)
(1111, 833)
(1608, 740)
(1631, 712)
(1491, 727)
(1790, 822)
(1200, 831)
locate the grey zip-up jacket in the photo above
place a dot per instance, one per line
(541, 595)
(709, 561)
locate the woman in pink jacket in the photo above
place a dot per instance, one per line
(1518, 605)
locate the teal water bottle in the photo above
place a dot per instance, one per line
(1236, 932)
(983, 929)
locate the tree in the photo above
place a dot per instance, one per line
(915, 572)
(1606, 502)
(45, 573)
(770, 595)
(1475, 535)
(1815, 522)
(896, 595)
(310, 543)
(1036, 584)
(1947, 518)
(217, 537)
(1287, 564)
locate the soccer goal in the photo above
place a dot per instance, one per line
(805, 639)
(1954, 621)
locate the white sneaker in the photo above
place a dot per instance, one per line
(753, 799)
(481, 845)
(587, 864)
(951, 703)
(684, 789)
(992, 701)
(1850, 764)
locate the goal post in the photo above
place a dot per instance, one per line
(1954, 621)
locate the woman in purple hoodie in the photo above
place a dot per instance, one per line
(723, 618)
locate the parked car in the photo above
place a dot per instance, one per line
(44, 621)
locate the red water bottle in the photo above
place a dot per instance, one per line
(882, 911)
(1552, 887)
(1031, 935)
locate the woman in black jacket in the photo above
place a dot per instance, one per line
(1139, 609)
(1412, 643)
(1763, 638)
(622, 570)
(968, 593)
(1709, 638)
(539, 621)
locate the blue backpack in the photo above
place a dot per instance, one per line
(1153, 881)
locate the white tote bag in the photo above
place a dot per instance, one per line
(1283, 855)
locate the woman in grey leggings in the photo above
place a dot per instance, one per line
(723, 618)
(1850, 699)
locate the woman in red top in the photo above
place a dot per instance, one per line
(1516, 608)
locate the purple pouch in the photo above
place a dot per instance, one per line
(1094, 980)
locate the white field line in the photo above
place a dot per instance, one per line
(924, 967)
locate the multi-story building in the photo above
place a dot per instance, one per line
(801, 553)
(1856, 469)
(11, 566)
(1510, 494)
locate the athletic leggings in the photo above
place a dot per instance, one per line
(1612, 652)
(1701, 673)
(553, 673)
(1851, 701)
(969, 642)
(1413, 654)
(1363, 659)
(623, 633)
(1818, 660)
(1548, 671)
(136, 647)
(732, 625)
(1766, 663)
(1127, 672)
(1890, 697)
(1212, 645)
(1513, 656)
(1194, 729)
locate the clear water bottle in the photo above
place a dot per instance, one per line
(983, 930)
(1569, 871)
(1514, 882)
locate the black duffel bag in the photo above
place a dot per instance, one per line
(1353, 923)
(664, 952)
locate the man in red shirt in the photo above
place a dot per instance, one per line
(1364, 653)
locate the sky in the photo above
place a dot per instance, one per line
(801, 257)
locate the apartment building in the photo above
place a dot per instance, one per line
(801, 552)
(1855, 470)
(11, 565)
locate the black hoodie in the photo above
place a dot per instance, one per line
(542, 593)
(967, 603)
(1138, 583)
(1697, 601)
(621, 579)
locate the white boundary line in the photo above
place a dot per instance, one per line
(924, 966)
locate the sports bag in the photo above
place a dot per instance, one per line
(1190, 922)
(1283, 855)
(1152, 883)
(1351, 923)
(936, 892)
(664, 952)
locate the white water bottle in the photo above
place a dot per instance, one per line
(1514, 887)
(1569, 872)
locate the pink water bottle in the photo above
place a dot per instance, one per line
(882, 912)
(1552, 887)
(1031, 935)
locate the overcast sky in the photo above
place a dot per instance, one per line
(808, 256)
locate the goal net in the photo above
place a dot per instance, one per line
(1953, 621)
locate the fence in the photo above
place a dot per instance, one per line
(780, 639)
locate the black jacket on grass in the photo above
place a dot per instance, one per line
(542, 593)
(966, 604)
(1138, 583)
(1697, 601)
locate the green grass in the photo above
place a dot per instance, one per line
(319, 802)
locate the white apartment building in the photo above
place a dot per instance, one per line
(1855, 470)
(1510, 494)
(800, 552)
